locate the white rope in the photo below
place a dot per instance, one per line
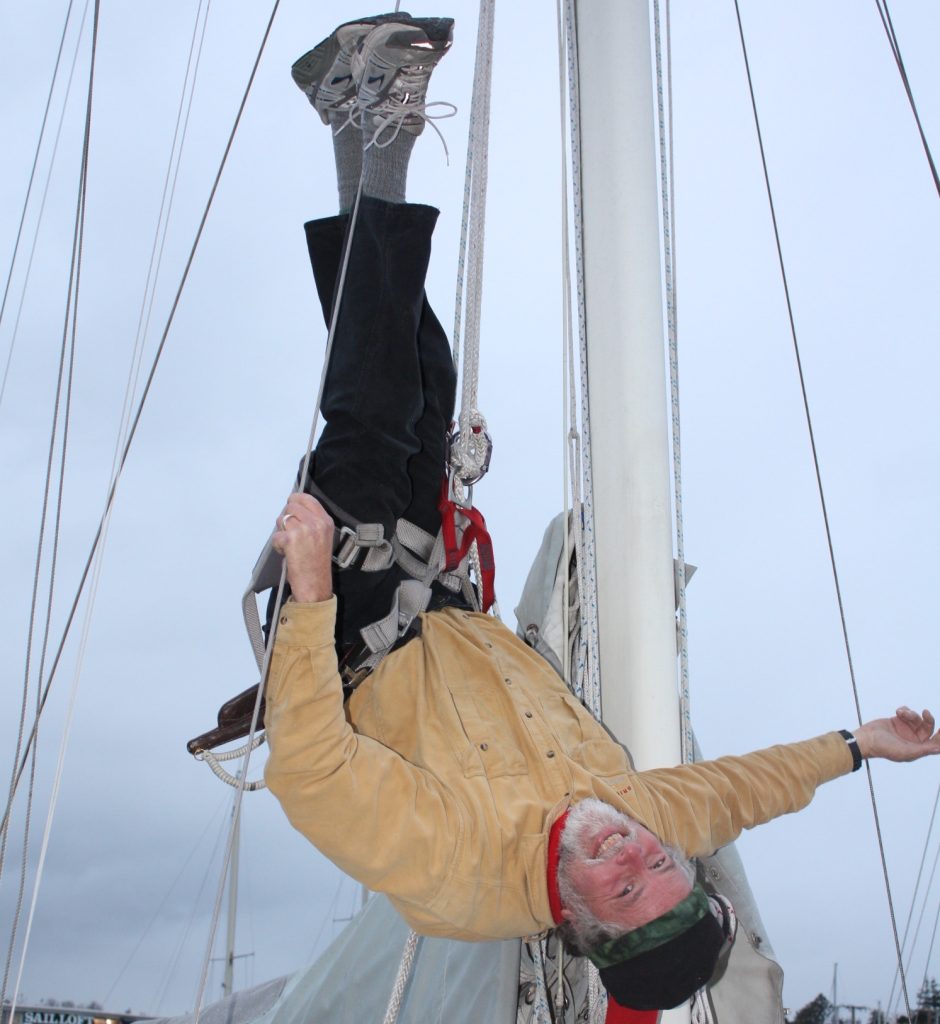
(468, 453)
(401, 978)
(212, 760)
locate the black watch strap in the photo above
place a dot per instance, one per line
(852, 744)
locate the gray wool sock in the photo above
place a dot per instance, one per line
(347, 150)
(385, 168)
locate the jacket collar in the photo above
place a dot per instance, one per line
(554, 847)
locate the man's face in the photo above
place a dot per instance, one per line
(622, 871)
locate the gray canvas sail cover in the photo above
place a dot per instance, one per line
(451, 982)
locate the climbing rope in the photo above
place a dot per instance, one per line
(822, 500)
(469, 454)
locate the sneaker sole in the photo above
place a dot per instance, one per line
(416, 41)
(316, 66)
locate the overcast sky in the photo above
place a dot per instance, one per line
(134, 851)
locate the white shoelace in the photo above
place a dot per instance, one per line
(397, 113)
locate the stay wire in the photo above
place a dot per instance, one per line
(140, 407)
(40, 544)
(32, 173)
(923, 910)
(42, 209)
(167, 197)
(920, 874)
(821, 491)
(888, 26)
(77, 264)
(933, 938)
(210, 822)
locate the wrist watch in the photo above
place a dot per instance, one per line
(852, 744)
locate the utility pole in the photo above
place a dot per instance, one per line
(848, 1006)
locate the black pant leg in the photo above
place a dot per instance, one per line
(390, 387)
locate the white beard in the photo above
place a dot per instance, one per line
(585, 819)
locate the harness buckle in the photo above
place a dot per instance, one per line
(347, 547)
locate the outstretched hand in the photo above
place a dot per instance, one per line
(304, 536)
(905, 737)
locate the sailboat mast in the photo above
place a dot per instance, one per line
(627, 379)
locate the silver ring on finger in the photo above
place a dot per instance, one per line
(284, 518)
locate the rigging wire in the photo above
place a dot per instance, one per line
(170, 973)
(923, 910)
(211, 821)
(163, 218)
(933, 937)
(821, 492)
(32, 178)
(96, 540)
(920, 872)
(888, 26)
(42, 205)
(72, 310)
(76, 266)
(66, 358)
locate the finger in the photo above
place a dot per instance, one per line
(302, 500)
(928, 719)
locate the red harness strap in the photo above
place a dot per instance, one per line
(474, 530)
(616, 1014)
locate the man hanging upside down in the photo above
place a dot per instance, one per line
(462, 778)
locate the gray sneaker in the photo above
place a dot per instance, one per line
(325, 73)
(393, 66)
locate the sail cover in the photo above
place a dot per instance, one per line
(451, 982)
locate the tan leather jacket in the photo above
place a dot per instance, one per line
(439, 781)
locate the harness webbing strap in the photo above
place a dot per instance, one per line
(474, 530)
(421, 555)
(411, 598)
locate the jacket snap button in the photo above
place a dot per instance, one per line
(551, 753)
(528, 714)
(283, 620)
(484, 746)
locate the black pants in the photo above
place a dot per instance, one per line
(390, 388)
